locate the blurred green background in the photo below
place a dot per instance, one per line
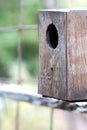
(9, 16)
(37, 118)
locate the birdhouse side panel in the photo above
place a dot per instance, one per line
(77, 55)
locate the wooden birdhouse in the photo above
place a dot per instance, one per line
(63, 54)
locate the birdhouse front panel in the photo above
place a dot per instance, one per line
(63, 54)
(52, 54)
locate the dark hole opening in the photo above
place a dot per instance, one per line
(52, 36)
(51, 69)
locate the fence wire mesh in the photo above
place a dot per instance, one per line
(19, 28)
(32, 99)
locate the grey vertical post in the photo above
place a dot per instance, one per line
(19, 58)
(51, 119)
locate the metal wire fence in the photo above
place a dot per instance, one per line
(20, 27)
(27, 98)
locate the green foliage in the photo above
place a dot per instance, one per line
(8, 12)
(30, 51)
(9, 41)
(9, 16)
(30, 11)
(7, 45)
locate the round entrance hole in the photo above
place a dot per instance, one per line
(52, 36)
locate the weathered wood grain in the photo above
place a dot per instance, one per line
(52, 62)
(77, 54)
(29, 94)
(63, 70)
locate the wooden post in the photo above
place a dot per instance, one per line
(63, 54)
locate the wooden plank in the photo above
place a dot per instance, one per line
(77, 54)
(23, 93)
(52, 62)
